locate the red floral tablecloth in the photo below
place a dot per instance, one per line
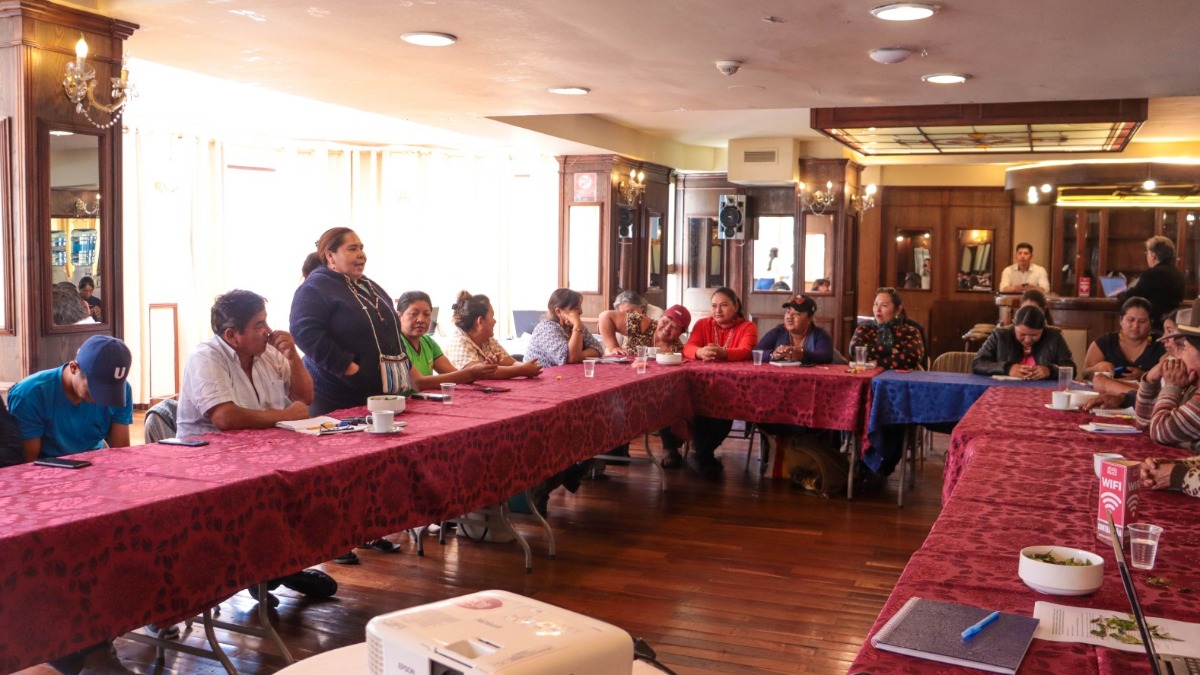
(1027, 482)
(157, 533)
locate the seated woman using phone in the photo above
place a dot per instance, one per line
(1130, 351)
(1027, 349)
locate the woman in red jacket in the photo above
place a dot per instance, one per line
(726, 335)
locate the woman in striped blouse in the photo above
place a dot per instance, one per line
(1168, 398)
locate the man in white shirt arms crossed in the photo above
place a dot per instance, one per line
(1023, 274)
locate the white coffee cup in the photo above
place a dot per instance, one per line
(386, 402)
(1060, 400)
(382, 421)
(1099, 457)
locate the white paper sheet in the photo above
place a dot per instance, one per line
(1060, 623)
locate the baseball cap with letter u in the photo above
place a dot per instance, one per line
(105, 362)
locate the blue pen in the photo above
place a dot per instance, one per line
(974, 630)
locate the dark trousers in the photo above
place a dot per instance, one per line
(707, 435)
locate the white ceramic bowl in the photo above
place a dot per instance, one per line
(395, 403)
(1079, 397)
(1052, 579)
(668, 359)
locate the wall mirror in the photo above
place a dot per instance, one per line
(914, 263)
(656, 278)
(704, 269)
(76, 249)
(974, 261)
(775, 254)
(818, 254)
(583, 248)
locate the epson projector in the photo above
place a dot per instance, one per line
(495, 633)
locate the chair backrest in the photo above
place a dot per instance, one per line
(953, 362)
(160, 420)
(524, 320)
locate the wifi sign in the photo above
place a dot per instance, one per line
(1118, 493)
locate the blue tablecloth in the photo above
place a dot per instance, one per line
(921, 397)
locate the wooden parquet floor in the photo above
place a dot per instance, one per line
(743, 576)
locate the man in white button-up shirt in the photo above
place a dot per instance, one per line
(1023, 274)
(246, 376)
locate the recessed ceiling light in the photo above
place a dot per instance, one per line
(569, 91)
(889, 55)
(945, 78)
(427, 39)
(904, 11)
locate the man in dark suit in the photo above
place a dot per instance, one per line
(1162, 285)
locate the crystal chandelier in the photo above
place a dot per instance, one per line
(80, 85)
(633, 189)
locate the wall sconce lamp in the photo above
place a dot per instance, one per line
(817, 202)
(633, 189)
(82, 210)
(864, 200)
(80, 85)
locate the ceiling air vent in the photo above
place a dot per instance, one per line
(760, 156)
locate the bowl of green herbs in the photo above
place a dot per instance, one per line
(1059, 570)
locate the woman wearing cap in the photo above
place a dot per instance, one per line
(891, 341)
(560, 337)
(475, 340)
(641, 331)
(1168, 399)
(1128, 352)
(798, 338)
(1026, 349)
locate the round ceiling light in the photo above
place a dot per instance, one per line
(888, 55)
(427, 39)
(569, 91)
(904, 11)
(945, 78)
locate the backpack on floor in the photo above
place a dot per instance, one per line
(813, 461)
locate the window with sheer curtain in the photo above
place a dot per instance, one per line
(203, 216)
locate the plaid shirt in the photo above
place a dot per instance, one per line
(463, 350)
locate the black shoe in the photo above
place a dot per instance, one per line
(672, 459)
(272, 601)
(313, 583)
(869, 481)
(163, 632)
(709, 468)
(347, 558)
(619, 451)
(383, 545)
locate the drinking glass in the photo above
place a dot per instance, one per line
(860, 356)
(1065, 375)
(589, 367)
(448, 393)
(758, 356)
(641, 365)
(1143, 545)
(642, 352)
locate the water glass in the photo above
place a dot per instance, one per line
(860, 356)
(1065, 375)
(589, 367)
(758, 356)
(448, 393)
(640, 363)
(642, 352)
(1143, 544)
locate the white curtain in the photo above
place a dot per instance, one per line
(203, 216)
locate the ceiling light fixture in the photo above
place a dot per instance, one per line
(889, 55)
(1149, 184)
(569, 91)
(904, 11)
(428, 39)
(945, 78)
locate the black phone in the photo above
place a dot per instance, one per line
(428, 397)
(489, 389)
(188, 442)
(62, 462)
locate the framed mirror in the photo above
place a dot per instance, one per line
(775, 255)
(656, 276)
(583, 248)
(818, 254)
(914, 262)
(75, 239)
(974, 271)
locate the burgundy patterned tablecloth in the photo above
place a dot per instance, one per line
(1031, 482)
(822, 397)
(157, 533)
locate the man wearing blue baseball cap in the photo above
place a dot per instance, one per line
(78, 406)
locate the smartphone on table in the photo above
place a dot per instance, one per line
(186, 442)
(428, 396)
(62, 462)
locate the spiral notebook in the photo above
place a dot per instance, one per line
(930, 629)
